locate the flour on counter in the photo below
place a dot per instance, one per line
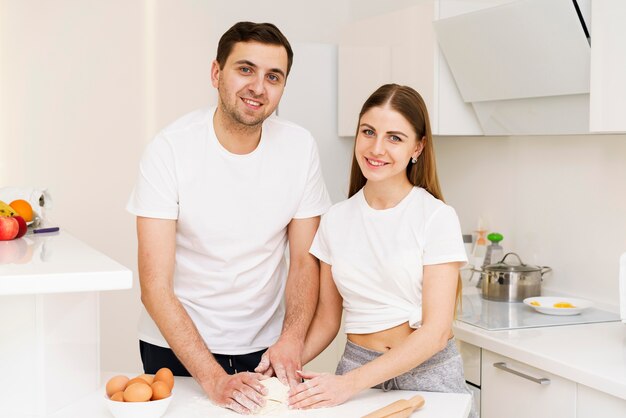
(276, 398)
(276, 404)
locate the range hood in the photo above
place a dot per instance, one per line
(524, 65)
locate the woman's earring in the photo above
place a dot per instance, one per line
(413, 160)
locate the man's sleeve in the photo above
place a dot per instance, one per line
(156, 192)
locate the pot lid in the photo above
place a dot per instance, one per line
(502, 265)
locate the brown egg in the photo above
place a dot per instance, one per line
(160, 390)
(138, 392)
(149, 378)
(118, 396)
(165, 375)
(116, 384)
(136, 380)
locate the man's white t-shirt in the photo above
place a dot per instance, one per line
(232, 213)
(377, 257)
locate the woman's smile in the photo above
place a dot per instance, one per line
(375, 163)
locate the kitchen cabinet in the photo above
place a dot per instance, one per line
(401, 47)
(591, 403)
(471, 356)
(513, 389)
(50, 321)
(608, 66)
(585, 364)
(308, 104)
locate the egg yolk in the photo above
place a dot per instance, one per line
(563, 305)
(535, 303)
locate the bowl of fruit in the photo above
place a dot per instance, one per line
(14, 219)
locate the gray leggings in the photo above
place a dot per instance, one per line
(443, 372)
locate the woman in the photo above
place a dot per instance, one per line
(390, 254)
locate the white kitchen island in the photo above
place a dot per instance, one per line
(190, 402)
(49, 321)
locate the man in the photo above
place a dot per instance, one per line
(220, 193)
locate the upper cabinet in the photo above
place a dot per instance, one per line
(401, 47)
(494, 67)
(608, 66)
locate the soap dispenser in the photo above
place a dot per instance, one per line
(493, 254)
(494, 251)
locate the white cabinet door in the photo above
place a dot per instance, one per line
(355, 83)
(400, 47)
(397, 47)
(608, 66)
(513, 390)
(471, 355)
(310, 100)
(471, 361)
(594, 404)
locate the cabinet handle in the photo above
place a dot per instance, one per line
(503, 366)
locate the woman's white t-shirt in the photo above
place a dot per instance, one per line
(377, 256)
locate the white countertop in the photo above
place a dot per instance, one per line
(190, 402)
(590, 354)
(57, 263)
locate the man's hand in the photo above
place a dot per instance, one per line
(301, 292)
(241, 392)
(284, 359)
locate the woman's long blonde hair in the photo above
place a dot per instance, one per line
(409, 103)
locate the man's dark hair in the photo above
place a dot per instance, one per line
(265, 33)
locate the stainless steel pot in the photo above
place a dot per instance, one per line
(511, 282)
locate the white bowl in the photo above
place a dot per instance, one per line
(150, 409)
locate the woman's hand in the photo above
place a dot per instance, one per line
(321, 390)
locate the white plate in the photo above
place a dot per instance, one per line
(546, 305)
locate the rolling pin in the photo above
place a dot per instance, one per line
(398, 409)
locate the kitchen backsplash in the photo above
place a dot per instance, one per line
(558, 201)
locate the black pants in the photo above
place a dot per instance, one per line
(154, 357)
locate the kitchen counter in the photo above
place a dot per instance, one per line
(593, 355)
(190, 402)
(57, 263)
(50, 321)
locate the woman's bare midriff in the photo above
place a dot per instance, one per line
(383, 340)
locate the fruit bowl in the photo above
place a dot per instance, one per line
(149, 409)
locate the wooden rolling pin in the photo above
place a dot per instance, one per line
(399, 409)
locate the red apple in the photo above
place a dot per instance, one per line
(9, 227)
(22, 225)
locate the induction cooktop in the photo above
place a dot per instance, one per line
(492, 315)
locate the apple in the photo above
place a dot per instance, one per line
(22, 225)
(9, 227)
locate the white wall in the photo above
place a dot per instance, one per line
(558, 200)
(73, 108)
